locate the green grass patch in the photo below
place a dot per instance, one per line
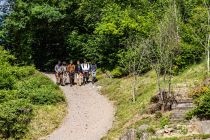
(119, 91)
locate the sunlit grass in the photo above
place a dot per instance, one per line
(119, 91)
(46, 119)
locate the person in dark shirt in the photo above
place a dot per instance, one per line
(93, 71)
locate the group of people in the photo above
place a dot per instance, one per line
(78, 73)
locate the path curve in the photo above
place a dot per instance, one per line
(90, 115)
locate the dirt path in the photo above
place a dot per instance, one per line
(90, 115)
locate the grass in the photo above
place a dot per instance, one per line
(47, 118)
(119, 91)
(193, 137)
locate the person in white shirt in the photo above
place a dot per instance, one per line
(58, 72)
(85, 69)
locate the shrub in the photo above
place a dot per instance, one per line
(6, 81)
(118, 72)
(22, 72)
(202, 110)
(37, 81)
(15, 116)
(188, 55)
(10, 74)
(6, 95)
(46, 96)
(197, 92)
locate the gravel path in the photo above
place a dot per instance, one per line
(90, 115)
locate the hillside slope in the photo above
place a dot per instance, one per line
(129, 114)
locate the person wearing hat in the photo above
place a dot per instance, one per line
(71, 71)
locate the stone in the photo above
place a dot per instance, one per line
(159, 132)
(205, 127)
(130, 135)
(145, 136)
(143, 127)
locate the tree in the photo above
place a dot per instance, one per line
(162, 53)
(134, 59)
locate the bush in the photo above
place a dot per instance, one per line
(22, 72)
(6, 81)
(46, 96)
(9, 75)
(197, 92)
(202, 110)
(188, 55)
(37, 81)
(39, 90)
(7, 95)
(118, 72)
(15, 116)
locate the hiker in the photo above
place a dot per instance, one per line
(93, 72)
(71, 71)
(58, 72)
(85, 69)
(78, 74)
(64, 74)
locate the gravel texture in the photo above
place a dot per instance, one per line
(90, 115)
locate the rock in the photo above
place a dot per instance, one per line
(159, 133)
(145, 136)
(130, 135)
(143, 127)
(205, 127)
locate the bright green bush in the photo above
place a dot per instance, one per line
(46, 96)
(15, 116)
(22, 72)
(7, 95)
(39, 90)
(10, 74)
(118, 72)
(36, 81)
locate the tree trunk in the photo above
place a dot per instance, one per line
(134, 88)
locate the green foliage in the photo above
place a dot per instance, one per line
(21, 88)
(7, 95)
(39, 90)
(164, 121)
(188, 54)
(46, 12)
(46, 96)
(118, 72)
(202, 109)
(15, 115)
